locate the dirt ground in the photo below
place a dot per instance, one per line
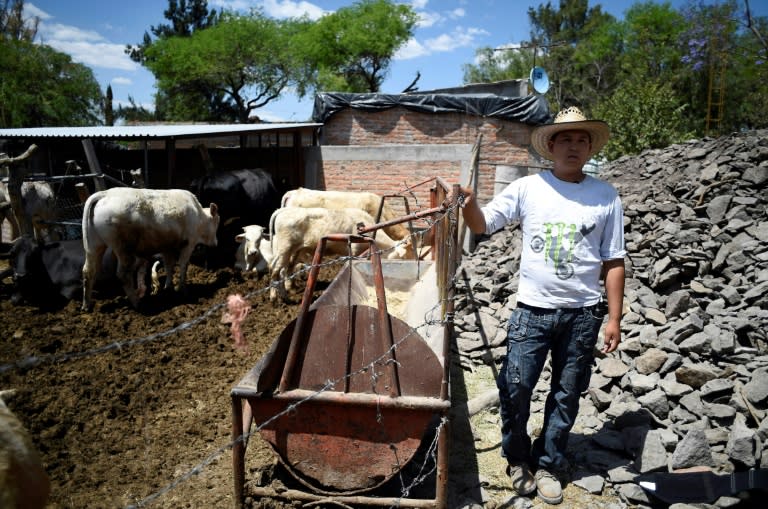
(132, 408)
(125, 403)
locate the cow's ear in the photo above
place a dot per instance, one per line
(214, 209)
(239, 237)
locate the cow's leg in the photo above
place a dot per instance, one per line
(91, 267)
(126, 272)
(171, 260)
(286, 276)
(277, 275)
(141, 277)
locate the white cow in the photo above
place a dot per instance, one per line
(139, 223)
(367, 201)
(295, 232)
(38, 204)
(254, 252)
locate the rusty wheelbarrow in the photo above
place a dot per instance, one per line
(348, 391)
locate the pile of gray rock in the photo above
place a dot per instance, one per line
(688, 386)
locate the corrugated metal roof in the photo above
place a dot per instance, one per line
(149, 131)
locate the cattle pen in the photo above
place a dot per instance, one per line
(353, 396)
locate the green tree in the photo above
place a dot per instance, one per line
(746, 99)
(39, 85)
(13, 25)
(352, 49)
(249, 60)
(134, 112)
(597, 61)
(725, 67)
(642, 114)
(558, 33)
(42, 87)
(499, 64)
(576, 45)
(109, 114)
(185, 18)
(192, 100)
(652, 41)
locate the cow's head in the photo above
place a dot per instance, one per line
(208, 233)
(251, 240)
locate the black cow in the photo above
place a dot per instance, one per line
(49, 274)
(244, 197)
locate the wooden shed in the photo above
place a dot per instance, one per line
(169, 155)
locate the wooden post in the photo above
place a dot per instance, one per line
(93, 164)
(207, 163)
(170, 153)
(15, 178)
(474, 171)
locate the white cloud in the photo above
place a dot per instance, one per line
(231, 5)
(412, 49)
(122, 80)
(459, 38)
(84, 46)
(31, 10)
(59, 32)
(427, 19)
(291, 9)
(273, 8)
(104, 55)
(419, 4)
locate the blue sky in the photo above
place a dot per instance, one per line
(95, 33)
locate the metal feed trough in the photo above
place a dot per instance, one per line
(351, 390)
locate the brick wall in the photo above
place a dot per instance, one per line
(504, 143)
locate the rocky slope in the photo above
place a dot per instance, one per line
(688, 386)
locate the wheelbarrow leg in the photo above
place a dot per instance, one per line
(238, 450)
(247, 421)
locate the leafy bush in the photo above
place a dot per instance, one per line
(642, 115)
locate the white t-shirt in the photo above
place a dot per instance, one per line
(568, 228)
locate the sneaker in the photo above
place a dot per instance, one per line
(548, 487)
(522, 478)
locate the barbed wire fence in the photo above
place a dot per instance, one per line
(425, 469)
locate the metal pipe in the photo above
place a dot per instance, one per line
(353, 399)
(385, 327)
(298, 332)
(416, 215)
(345, 499)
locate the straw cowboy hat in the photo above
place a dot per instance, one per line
(569, 119)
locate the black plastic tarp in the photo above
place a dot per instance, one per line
(532, 109)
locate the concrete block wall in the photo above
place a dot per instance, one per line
(397, 147)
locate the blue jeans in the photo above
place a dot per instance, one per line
(570, 336)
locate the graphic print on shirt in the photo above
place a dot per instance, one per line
(558, 243)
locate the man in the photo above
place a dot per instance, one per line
(572, 227)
